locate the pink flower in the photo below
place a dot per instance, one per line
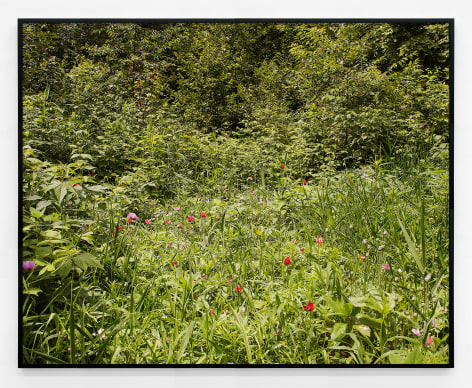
(211, 311)
(225, 188)
(227, 312)
(262, 202)
(386, 266)
(429, 341)
(239, 288)
(69, 203)
(433, 325)
(147, 222)
(230, 280)
(28, 265)
(203, 214)
(132, 216)
(190, 218)
(177, 209)
(287, 260)
(168, 339)
(319, 240)
(361, 256)
(250, 179)
(416, 332)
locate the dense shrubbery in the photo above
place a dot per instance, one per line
(271, 136)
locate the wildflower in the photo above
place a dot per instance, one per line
(168, 339)
(132, 216)
(190, 218)
(227, 312)
(351, 226)
(230, 280)
(211, 311)
(175, 262)
(191, 227)
(433, 325)
(319, 240)
(179, 226)
(130, 220)
(416, 332)
(203, 214)
(282, 165)
(100, 331)
(241, 198)
(177, 209)
(361, 256)
(386, 266)
(326, 230)
(429, 341)
(239, 288)
(197, 196)
(262, 202)
(364, 329)
(225, 188)
(304, 181)
(287, 260)
(427, 278)
(396, 278)
(381, 247)
(197, 295)
(309, 307)
(147, 222)
(323, 180)
(200, 229)
(121, 227)
(69, 203)
(28, 265)
(302, 249)
(250, 179)
(254, 192)
(167, 222)
(364, 241)
(399, 270)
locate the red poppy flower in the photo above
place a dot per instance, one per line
(190, 218)
(309, 307)
(204, 214)
(239, 288)
(282, 165)
(287, 260)
(130, 220)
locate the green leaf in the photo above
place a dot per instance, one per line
(415, 357)
(64, 268)
(42, 204)
(32, 291)
(338, 331)
(97, 188)
(183, 347)
(412, 247)
(85, 260)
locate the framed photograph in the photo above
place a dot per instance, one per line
(238, 193)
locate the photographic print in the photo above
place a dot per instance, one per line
(258, 193)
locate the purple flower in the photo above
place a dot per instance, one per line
(28, 265)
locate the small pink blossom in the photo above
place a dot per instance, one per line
(319, 240)
(190, 218)
(230, 280)
(429, 341)
(416, 332)
(147, 222)
(177, 209)
(211, 311)
(386, 266)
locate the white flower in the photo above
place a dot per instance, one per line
(427, 278)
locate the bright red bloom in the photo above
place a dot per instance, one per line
(429, 341)
(190, 218)
(148, 222)
(282, 165)
(304, 181)
(309, 307)
(287, 260)
(167, 222)
(121, 227)
(302, 249)
(204, 214)
(175, 262)
(130, 220)
(239, 288)
(319, 240)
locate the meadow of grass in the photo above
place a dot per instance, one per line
(342, 268)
